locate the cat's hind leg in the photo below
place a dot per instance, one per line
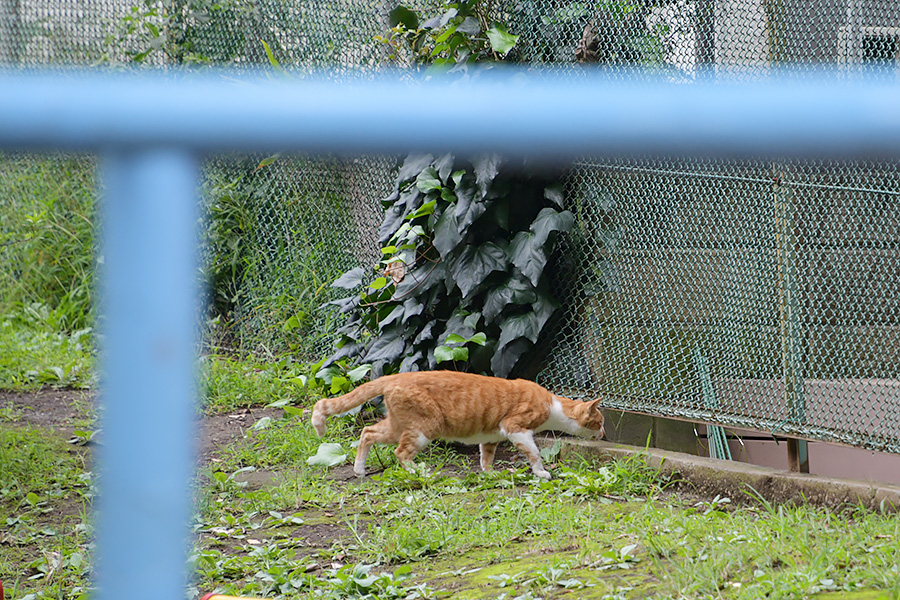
(379, 433)
(411, 442)
(487, 456)
(523, 439)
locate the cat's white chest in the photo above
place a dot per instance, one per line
(559, 421)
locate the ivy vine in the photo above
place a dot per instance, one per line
(465, 242)
(462, 280)
(463, 34)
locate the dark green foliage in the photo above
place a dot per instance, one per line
(271, 250)
(465, 247)
(226, 240)
(463, 34)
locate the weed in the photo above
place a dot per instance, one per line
(35, 465)
(36, 351)
(230, 383)
(41, 479)
(273, 246)
(596, 530)
(47, 235)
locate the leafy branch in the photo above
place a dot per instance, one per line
(465, 245)
(460, 36)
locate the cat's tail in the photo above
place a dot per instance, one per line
(326, 407)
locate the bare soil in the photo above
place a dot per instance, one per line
(65, 411)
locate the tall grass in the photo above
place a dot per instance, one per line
(276, 237)
(47, 212)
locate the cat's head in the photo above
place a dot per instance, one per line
(590, 417)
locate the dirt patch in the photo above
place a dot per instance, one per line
(65, 411)
(219, 431)
(62, 411)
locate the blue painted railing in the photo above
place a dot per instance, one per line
(152, 132)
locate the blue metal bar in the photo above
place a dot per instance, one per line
(149, 306)
(512, 113)
(151, 129)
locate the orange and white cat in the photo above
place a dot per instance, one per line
(461, 407)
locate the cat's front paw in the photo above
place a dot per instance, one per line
(543, 474)
(359, 472)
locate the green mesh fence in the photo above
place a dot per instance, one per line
(753, 293)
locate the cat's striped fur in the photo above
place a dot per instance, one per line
(462, 407)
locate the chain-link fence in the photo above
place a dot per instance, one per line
(752, 293)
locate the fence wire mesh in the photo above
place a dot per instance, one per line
(752, 293)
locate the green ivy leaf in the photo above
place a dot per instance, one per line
(554, 193)
(388, 346)
(528, 255)
(378, 283)
(410, 363)
(421, 280)
(506, 358)
(404, 16)
(455, 338)
(446, 233)
(445, 18)
(468, 209)
(475, 263)
(426, 334)
(516, 290)
(394, 215)
(544, 307)
(443, 165)
(479, 338)
(446, 354)
(518, 326)
(443, 354)
(469, 26)
(356, 375)
(413, 165)
(501, 40)
(487, 167)
(339, 384)
(351, 279)
(428, 180)
(398, 312)
(548, 221)
(425, 209)
(328, 455)
(458, 324)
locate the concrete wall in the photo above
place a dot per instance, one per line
(830, 460)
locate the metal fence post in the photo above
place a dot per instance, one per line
(791, 325)
(150, 306)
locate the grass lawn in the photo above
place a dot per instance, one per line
(268, 524)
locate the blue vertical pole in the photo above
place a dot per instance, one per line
(148, 388)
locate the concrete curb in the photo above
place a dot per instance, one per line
(711, 477)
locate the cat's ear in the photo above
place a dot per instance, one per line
(594, 405)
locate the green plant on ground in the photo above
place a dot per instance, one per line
(269, 523)
(47, 231)
(44, 492)
(35, 350)
(465, 241)
(465, 248)
(229, 382)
